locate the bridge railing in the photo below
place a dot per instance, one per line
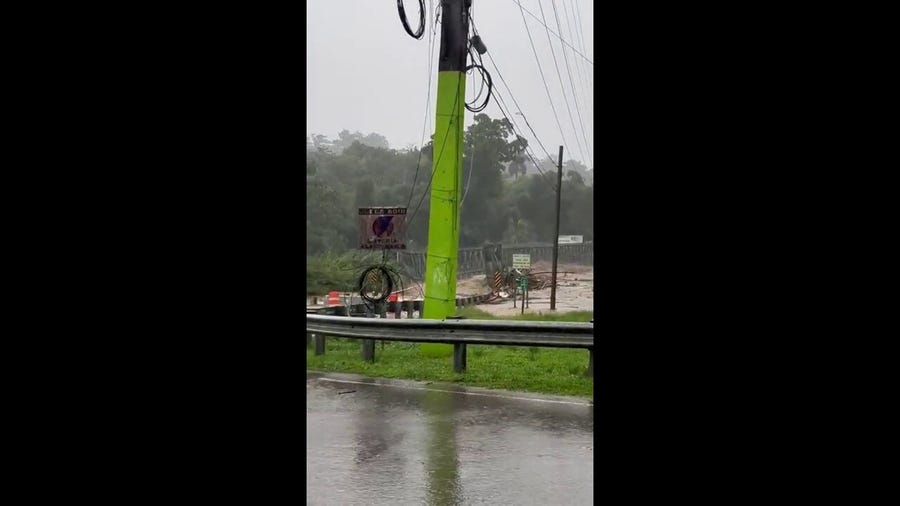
(458, 332)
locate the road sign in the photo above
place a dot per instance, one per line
(521, 261)
(382, 227)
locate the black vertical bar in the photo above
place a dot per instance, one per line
(590, 369)
(368, 350)
(320, 344)
(459, 357)
(556, 231)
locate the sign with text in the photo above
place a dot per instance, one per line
(521, 261)
(382, 227)
(571, 239)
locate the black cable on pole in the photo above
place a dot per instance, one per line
(402, 11)
(485, 78)
(435, 163)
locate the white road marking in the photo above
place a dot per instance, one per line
(455, 392)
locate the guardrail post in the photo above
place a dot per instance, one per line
(320, 344)
(459, 351)
(459, 357)
(368, 350)
(308, 339)
(590, 369)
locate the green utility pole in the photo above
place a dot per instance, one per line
(443, 223)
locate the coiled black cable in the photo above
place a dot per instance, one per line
(486, 79)
(402, 11)
(376, 284)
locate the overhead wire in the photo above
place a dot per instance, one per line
(572, 85)
(581, 37)
(469, 179)
(513, 97)
(587, 98)
(554, 33)
(543, 78)
(527, 152)
(562, 86)
(436, 16)
(579, 63)
(516, 128)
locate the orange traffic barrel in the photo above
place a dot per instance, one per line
(334, 298)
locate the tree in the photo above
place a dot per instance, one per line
(517, 167)
(487, 149)
(503, 201)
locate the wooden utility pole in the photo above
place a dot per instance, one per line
(556, 231)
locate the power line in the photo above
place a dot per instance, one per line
(538, 139)
(516, 102)
(511, 121)
(572, 84)
(588, 97)
(501, 105)
(583, 46)
(562, 86)
(554, 33)
(526, 150)
(577, 15)
(427, 102)
(546, 87)
(587, 78)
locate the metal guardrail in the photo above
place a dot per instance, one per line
(457, 332)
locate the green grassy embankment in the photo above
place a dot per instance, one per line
(544, 370)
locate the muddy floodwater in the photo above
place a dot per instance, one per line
(387, 442)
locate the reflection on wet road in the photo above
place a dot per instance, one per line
(373, 442)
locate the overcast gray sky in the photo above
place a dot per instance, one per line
(364, 72)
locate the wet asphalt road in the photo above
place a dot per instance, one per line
(373, 442)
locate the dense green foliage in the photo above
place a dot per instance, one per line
(504, 198)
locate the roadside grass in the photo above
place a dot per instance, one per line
(543, 370)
